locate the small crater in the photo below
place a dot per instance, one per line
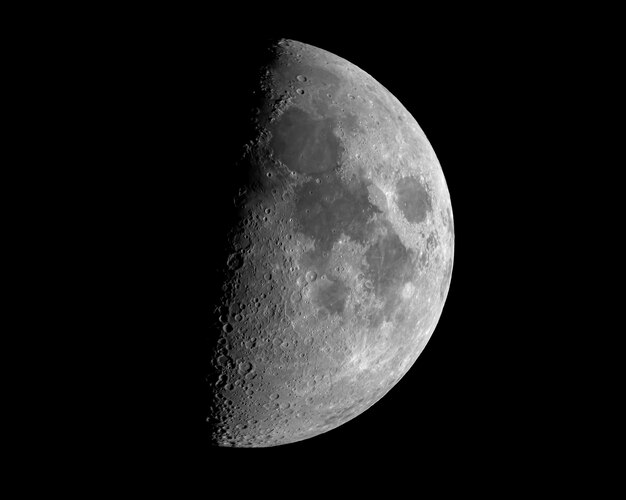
(322, 314)
(235, 261)
(245, 367)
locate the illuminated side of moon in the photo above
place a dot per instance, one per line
(342, 260)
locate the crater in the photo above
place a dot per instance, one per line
(320, 77)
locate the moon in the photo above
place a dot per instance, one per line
(339, 263)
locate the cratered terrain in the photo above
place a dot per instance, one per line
(337, 267)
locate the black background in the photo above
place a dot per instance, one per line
(480, 394)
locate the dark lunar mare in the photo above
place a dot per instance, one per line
(327, 207)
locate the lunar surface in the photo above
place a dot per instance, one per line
(339, 263)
